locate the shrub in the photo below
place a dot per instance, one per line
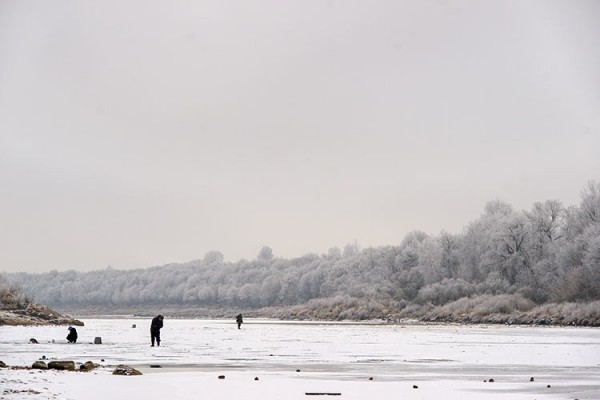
(445, 291)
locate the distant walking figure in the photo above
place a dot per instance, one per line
(239, 320)
(157, 323)
(72, 336)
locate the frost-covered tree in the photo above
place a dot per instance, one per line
(265, 254)
(213, 257)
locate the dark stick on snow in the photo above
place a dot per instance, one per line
(322, 394)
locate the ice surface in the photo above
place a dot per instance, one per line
(447, 360)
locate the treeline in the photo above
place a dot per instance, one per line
(11, 293)
(505, 262)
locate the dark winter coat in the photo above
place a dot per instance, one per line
(157, 323)
(72, 336)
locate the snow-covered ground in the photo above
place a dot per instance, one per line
(291, 359)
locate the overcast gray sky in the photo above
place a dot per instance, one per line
(138, 133)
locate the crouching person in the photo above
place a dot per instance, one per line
(72, 336)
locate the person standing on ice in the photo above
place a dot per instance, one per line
(239, 320)
(157, 323)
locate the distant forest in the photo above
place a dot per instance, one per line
(541, 265)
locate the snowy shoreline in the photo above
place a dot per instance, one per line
(480, 310)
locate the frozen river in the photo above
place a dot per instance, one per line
(459, 358)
